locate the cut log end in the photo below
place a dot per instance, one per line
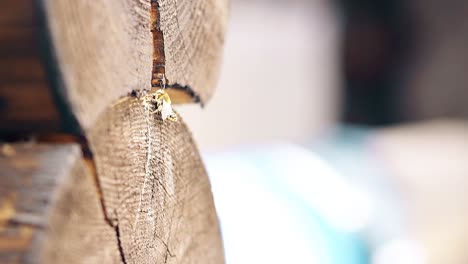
(191, 34)
(150, 203)
(81, 56)
(142, 194)
(155, 187)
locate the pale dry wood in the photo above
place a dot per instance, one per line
(103, 50)
(155, 187)
(63, 62)
(49, 208)
(192, 39)
(157, 201)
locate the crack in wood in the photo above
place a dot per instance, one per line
(147, 164)
(119, 245)
(159, 57)
(88, 157)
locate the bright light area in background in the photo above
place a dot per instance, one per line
(344, 206)
(279, 82)
(259, 226)
(279, 78)
(401, 251)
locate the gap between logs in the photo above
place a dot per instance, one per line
(178, 93)
(88, 157)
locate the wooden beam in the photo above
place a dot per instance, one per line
(49, 208)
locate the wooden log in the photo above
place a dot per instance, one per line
(102, 50)
(62, 63)
(151, 200)
(70, 59)
(188, 38)
(49, 208)
(155, 187)
(150, 203)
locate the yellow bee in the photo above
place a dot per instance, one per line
(160, 103)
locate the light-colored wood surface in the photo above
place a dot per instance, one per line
(148, 201)
(49, 208)
(141, 194)
(193, 38)
(64, 62)
(155, 187)
(103, 50)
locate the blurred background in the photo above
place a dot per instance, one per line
(338, 132)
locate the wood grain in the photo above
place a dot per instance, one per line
(63, 62)
(49, 208)
(155, 187)
(142, 195)
(103, 50)
(192, 35)
(146, 198)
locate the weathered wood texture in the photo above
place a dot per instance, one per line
(49, 208)
(77, 57)
(151, 184)
(155, 187)
(103, 50)
(144, 196)
(63, 62)
(192, 39)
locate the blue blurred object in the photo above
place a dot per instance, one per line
(352, 153)
(283, 204)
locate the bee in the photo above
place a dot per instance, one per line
(160, 103)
